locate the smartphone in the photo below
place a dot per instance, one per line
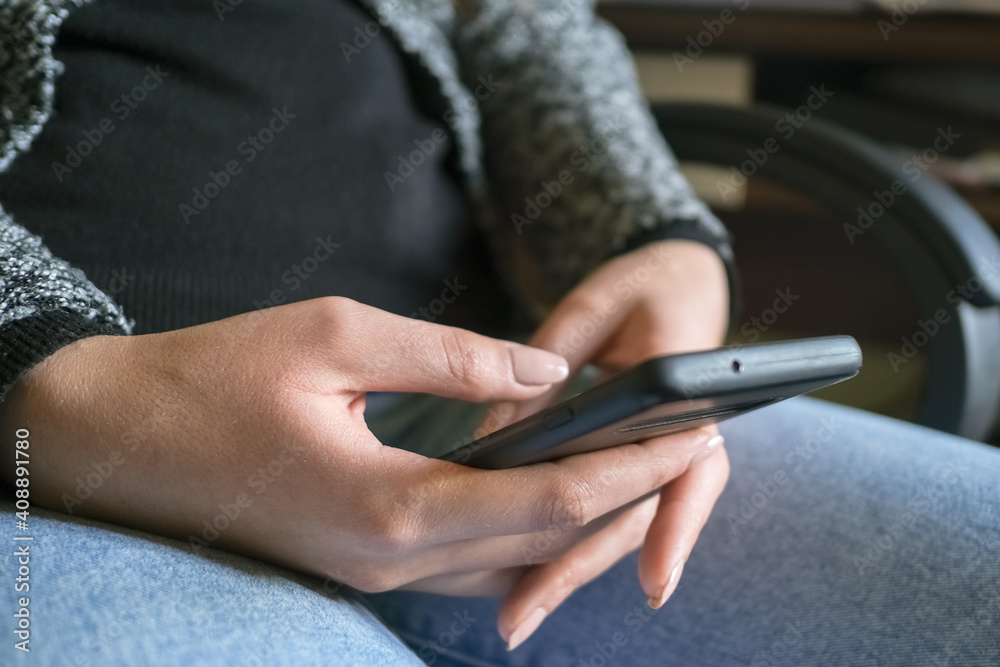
(665, 395)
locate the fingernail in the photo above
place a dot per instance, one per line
(708, 449)
(534, 366)
(675, 575)
(524, 630)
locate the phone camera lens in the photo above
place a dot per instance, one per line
(737, 366)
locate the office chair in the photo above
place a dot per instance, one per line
(933, 237)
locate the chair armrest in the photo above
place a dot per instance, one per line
(936, 240)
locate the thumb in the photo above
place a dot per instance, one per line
(393, 353)
(579, 332)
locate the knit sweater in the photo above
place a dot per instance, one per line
(556, 149)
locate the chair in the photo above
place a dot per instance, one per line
(936, 241)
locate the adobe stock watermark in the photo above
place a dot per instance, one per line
(249, 149)
(484, 88)
(121, 108)
(564, 11)
(625, 288)
(920, 503)
(581, 158)
(913, 169)
(983, 616)
(912, 344)
(21, 453)
(901, 13)
(407, 164)
(332, 583)
(100, 471)
(759, 324)
(92, 480)
(545, 542)
(777, 653)
(785, 127)
(752, 330)
(223, 7)
(697, 44)
(927, 329)
(364, 34)
(604, 651)
(120, 280)
(430, 650)
(453, 288)
(230, 512)
(497, 416)
(796, 459)
(549, 192)
(297, 274)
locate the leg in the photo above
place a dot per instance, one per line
(842, 539)
(103, 595)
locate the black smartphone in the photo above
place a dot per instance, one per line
(668, 394)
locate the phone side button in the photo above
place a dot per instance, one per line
(557, 418)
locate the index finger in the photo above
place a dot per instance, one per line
(446, 502)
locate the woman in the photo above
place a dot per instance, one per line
(216, 166)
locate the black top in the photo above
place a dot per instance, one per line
(199, 166)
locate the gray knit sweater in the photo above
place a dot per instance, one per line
(539, 91)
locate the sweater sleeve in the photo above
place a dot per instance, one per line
(578, 168)
(45, 303)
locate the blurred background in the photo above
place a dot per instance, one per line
(904, 75)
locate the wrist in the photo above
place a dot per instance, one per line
(694, 232)
(41, 401)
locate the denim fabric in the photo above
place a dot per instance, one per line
(102, 595)
(842, 539)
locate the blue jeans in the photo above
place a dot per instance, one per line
(842, 539)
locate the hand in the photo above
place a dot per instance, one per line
(249, 434)
(665, 298)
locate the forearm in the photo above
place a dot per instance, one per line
(579, 170)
